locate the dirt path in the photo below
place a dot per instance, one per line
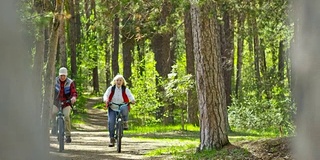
(90, 141)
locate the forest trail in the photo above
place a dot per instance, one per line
(90, 141)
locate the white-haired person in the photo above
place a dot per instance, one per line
(64, 90)
(117, 93)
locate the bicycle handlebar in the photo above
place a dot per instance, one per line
(119, 104)
(66, 101)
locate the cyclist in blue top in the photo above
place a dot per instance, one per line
(64, 90)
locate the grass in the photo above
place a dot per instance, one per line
(190, 141)
(237, 153)
(171, 150)
(164, 132)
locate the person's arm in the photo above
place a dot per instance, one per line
(130, 96)
(106, 96)
(74, 94)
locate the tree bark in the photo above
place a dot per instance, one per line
(128, 43)
(116, 39)
(72, 36)
(193, 109)
(50, 68)
(227, 39)
(209, 76)
(128, 49)
(240, 42)
(281, 58)
(62, 45)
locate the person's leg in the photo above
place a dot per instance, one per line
(125, 114)
(111, 124)
(66, 112)
(53, 119)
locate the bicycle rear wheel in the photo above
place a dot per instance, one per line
(119, 135)
(61, 134)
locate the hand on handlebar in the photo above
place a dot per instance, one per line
(73, 100)
(107, 104)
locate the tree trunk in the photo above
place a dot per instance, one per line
(306, 75)
(240, 43)
(227, 52)
(128, 43)
(141, 57)
(72, 36)
(193, 109)
(38, 72)
(160, 44)
(62, 45)
(128, 49)
(116, 39)
(227, 40)
(50, 68)
(21, 131)
(257, 52)
(281, 58)
(95, 71)
(209, 76)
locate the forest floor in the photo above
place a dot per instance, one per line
(90, 142)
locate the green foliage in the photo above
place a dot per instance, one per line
(249, 113)
(145, 91)
(177, 87)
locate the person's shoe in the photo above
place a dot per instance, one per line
(112, 141)
(125, 125)
(54, 130)
(68, 139)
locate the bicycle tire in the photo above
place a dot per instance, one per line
(119, 135)
(61, 134)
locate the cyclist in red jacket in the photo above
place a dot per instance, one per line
(117, 93)
(64, 90)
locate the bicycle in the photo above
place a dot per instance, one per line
(119, 124)
(61, 124)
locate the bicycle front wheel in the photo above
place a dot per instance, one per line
(119, 135)
(61, 134)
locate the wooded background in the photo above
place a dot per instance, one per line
(221, 65)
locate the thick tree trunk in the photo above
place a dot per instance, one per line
(306, 75)
(209, 76)
(193, 109)
(21, 131)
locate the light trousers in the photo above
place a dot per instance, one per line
(66, 112)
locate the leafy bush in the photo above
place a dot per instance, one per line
(250, 113)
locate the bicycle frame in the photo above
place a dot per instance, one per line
(60, 126)
(60, 120)
(119, 124)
